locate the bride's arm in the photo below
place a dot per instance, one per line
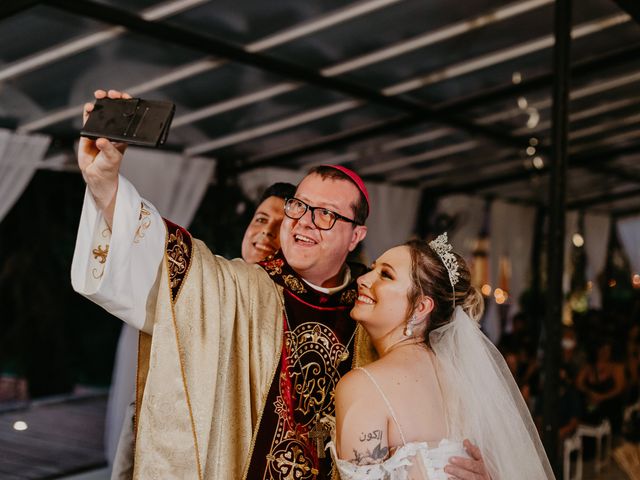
(361, 421)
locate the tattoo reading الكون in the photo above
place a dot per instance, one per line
(377, 455)
(375, 435)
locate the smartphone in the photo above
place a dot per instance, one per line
(131, 120)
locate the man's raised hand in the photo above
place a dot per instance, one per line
(100, 160)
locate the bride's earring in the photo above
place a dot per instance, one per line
(408, 328)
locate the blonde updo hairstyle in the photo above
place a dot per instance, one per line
(430, 277)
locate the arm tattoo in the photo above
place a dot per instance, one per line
(368, 457)
(375, 435)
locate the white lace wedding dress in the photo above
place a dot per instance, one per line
(410, 461)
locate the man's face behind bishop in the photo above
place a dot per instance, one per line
(318, 255)
(261, 238)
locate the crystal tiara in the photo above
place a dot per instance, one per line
(444, 249)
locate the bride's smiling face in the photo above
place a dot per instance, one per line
(383, 300)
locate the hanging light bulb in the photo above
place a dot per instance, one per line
(578, 240)
(522, 103)
(516, 78)
(538, 163)
(534, 118)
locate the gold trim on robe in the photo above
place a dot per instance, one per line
(211, 360)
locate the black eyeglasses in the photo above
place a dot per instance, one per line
(323, 218)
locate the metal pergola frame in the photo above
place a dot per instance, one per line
(150, 22)
(410, 113)
(480, 99)
(187, 38)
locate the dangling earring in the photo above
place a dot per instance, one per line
(408, 328)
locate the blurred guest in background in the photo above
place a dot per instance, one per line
(602, 383)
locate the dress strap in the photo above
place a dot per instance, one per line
(386, 400)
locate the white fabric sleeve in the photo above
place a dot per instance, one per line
(119, 269)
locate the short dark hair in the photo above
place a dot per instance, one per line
(361, 207)
(281, 190)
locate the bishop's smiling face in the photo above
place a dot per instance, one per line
(318, 255)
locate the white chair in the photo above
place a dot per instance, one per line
(599, 432)
(630, 410)
(572, 444)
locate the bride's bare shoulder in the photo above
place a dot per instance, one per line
(352, 383)
(357, 382)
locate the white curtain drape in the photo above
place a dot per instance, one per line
(570, 229)
(511, 241)
(175, 185)
(596, 241)
(629, 232)
(20, 157)
(254, 182)
(392, 217)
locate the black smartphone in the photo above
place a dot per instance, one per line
(131, 120)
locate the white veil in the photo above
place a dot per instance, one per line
(484, 403)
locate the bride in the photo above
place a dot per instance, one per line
(438, 379)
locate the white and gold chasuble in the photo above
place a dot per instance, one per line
(225, 388)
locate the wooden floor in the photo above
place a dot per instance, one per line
(62, 437)
(98, 474)
(609, 472)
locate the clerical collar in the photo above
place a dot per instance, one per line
(340, 297)
(346, 279)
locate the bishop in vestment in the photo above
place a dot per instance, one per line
(237, 363)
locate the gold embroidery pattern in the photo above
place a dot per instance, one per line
(279, 406)
(294, 284)
(178, 257)
(314, 355)
(274, 267)
(143, 211)
(145, 223)
(348, 297)
(315, 336)
(292, 464)
(100, 254)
